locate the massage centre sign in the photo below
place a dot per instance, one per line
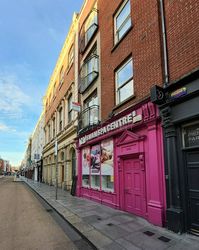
(125, 120)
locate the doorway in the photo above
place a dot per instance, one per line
(62, 174)
(134, 187)
(192, 166)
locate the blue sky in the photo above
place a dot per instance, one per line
(31, 36)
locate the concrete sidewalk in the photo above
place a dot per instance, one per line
(108, 228)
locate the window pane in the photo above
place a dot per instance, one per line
(107, 165)
(124, 73)
(123, 15)
(70, 103)
(86, 167)
(95, 166)
(95, 181)
(122, 31)
(126, 91)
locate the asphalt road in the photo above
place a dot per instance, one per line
(26, 223)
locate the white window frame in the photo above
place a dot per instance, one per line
(125, 83)
(116, 39)
(70, 110)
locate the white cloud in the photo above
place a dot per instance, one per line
(5, 128)
(12, 98)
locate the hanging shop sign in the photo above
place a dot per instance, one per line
(76, 106)
(178, 93)
(125, 120)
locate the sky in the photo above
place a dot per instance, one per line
(32, 33)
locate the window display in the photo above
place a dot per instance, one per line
(97, 166)
(86, 167)
(107, 165)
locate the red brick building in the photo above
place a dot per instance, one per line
(120, 154)
(178, 102)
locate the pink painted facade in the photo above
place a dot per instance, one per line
(130, 176)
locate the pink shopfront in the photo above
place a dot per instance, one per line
(120, 163)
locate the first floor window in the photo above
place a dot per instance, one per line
(70, 109)
(124, 81)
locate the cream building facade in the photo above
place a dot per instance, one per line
(37, 148)
(60, 118)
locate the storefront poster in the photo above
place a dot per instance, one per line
(107, 157)
(95, 160)
(86, 161)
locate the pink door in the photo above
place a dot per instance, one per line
(134, 187)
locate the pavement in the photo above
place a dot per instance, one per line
(108, 228)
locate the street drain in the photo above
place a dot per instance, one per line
(110, 224)
(49, 210)
(99, 218)
(164, 239)
(148, 233)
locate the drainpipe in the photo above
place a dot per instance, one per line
(164, 43)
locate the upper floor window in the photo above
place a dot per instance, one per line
(61, 76)
(124, 81)
(54, 89)
(88, 29)
(90, 114)
(49, 133)
(70, 109)
(53, 127)
(71, 56)
(122, 20)
(60, 119)
(89, 70)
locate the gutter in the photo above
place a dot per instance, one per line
(164, 43)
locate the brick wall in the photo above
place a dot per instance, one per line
(182, 23)
(143, 42)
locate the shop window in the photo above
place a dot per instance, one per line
(107, 165)
(97, 166)
(86, 167)
(124, 81)
(190, 135)
(122, 21)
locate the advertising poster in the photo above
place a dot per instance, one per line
(95, 160)
(86, 161)
(107, 157)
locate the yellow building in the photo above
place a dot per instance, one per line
(60, 118)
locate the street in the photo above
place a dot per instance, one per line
(25, 223)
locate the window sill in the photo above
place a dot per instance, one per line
(122, 38)
(124, 102)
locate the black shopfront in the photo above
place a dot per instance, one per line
(179, 107)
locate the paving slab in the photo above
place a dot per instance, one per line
(109, 228)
